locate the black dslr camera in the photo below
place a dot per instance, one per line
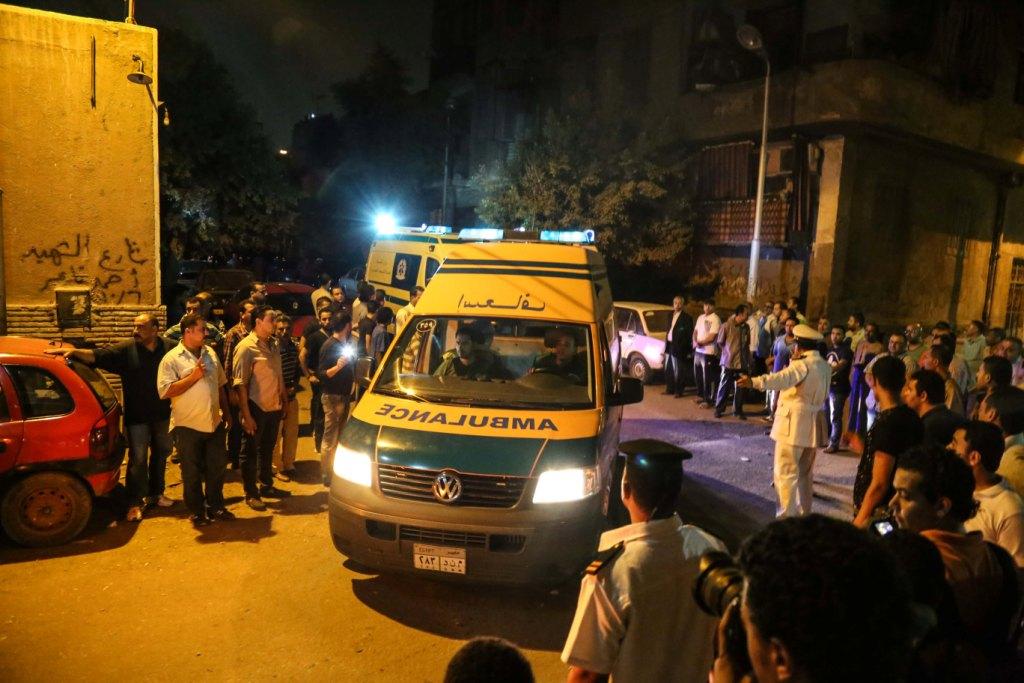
(718, 585)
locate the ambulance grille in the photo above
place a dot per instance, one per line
(410, 483)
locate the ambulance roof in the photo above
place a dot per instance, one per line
(519, 279)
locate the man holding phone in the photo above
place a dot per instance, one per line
(335, 372)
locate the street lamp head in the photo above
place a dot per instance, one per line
(750, 38)
(139, 76)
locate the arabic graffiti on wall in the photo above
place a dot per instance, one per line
(113, 278)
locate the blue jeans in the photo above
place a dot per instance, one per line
(836, 403)
(705, 375)
(149, 444)
(727, 385)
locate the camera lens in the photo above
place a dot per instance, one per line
(718, 584)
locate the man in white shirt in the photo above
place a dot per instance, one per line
(1000, 515)
(636, 619)
(192, 377)
(799, 427)
(705, 354)
(405, 312)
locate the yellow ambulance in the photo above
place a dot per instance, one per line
(402, 258)
(485, 447)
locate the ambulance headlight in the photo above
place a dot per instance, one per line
(353, 466)
(563, 486)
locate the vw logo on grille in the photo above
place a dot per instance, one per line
(447, 487)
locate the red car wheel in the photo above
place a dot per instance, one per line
(49, 508)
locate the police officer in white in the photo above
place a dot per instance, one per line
(799, 427)
(636, 619)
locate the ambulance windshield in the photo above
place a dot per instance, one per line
(508, 362)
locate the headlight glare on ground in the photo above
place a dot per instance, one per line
(563, 486)
(353, 466)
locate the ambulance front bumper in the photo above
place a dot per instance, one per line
(523, 545)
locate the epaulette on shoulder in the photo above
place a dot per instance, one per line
(604, 558)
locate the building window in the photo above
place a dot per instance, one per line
(1014, 321)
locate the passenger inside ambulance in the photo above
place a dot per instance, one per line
(497, 360)
(471, 358)
(562, 360)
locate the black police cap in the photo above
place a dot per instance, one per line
(653, 453)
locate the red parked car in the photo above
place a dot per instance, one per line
(60, 442)
(292, 299)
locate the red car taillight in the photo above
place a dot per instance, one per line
(99, 440)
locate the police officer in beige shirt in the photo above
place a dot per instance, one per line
(636, 619)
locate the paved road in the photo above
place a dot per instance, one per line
(267, 597)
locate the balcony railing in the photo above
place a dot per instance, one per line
(731, 221)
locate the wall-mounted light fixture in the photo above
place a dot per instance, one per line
(140, 77)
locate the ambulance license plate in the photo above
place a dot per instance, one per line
(438, 558)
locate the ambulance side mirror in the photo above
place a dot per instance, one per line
(631, 390)
(364, 371)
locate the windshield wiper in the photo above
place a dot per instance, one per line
(401, 394)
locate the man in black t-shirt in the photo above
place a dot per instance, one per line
(335, 372)
(925, 394)
(309, 357)
(366, 325)
(146, 415)
(896, 429)
(839, 357)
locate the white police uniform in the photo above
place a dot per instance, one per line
(636, 618)
(799, 427)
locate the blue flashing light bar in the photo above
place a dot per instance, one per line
(568, 236)
(481, 234)
(437, 229)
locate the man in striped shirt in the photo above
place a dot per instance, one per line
(288, 436)
(231, 338)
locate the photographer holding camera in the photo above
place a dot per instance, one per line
(821, 601)
(635, 620)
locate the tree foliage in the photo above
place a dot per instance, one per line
(222, 189)
(630, 185)
(393, 140)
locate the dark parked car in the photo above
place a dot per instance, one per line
(60, 442)
(224, 284)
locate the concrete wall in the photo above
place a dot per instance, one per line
(78, 159)
(862, 91)
(78, 171)
(912, 236)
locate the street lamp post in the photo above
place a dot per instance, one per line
(449, 108)
(750, 38)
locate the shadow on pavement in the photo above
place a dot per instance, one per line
(306, 504)
(540, 621)
(307, 472)
(106, 530)
(728, 512)
(241, 530)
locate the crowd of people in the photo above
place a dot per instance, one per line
(921, 584)
(218, 398)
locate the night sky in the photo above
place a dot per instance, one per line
(284, 54)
